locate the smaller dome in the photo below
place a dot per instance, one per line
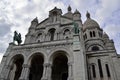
(90, 23)
(76, 12)
(69, 14)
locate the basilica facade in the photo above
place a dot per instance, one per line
(62, 47)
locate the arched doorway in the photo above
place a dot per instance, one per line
(36, 69)
(16, 69)
(60, 67)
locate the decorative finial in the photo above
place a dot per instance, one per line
(35, 20)
(105, 35)
(55, 7)
(88, 15)
(69, 8)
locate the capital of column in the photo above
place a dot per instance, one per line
(8, 66)
(70, 63)
(25, 65)
(70, 78)
(47, 64)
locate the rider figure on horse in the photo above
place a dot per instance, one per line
(17, 37)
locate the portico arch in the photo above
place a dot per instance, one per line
(15, 67)
(36, 66)
(65, 50)
(59, 66)
(64, 55)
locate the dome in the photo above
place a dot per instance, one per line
(90, 23)
(76, 12)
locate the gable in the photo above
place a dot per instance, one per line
(65, 20)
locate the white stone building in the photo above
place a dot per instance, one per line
(55, 50)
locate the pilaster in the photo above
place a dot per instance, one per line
(47, 72)
(25, 72)
(79, 62)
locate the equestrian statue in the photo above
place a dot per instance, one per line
(17, 37)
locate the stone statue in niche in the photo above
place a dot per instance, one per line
(17, 37)
(75, 28)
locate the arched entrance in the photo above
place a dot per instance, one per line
(60, 67)
(16, 69)
(36, 69)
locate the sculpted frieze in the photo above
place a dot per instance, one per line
(48, 46)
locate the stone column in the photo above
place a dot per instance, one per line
(46, 72)
(25, 72)
(5, 72)
(70, 71)
(49, 71)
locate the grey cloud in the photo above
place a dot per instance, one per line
(4, 27)
(2, 48)
(114, 18)
(4, 41)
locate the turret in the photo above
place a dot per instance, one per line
(92, 33)
(31, 31)
(55, 14)
(34, 23)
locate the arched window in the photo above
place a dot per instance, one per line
(93, 33)
(90, 34)
(85, 36)
(100, 68)
(66, 32)
(107, 70)
(39, 36)
(95, 48)
(52, 33)
(93, 71)
(54, 17)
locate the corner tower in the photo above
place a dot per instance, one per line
(92, 34)
(99, 50)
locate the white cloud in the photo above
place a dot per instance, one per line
(106, 9)
(112, 30)
(19, 13)
(1, 55)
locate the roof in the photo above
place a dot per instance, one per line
(90, 23)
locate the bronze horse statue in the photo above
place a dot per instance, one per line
(17, 37)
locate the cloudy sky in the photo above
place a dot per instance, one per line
(18, 14)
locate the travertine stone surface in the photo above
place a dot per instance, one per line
(53, 42)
